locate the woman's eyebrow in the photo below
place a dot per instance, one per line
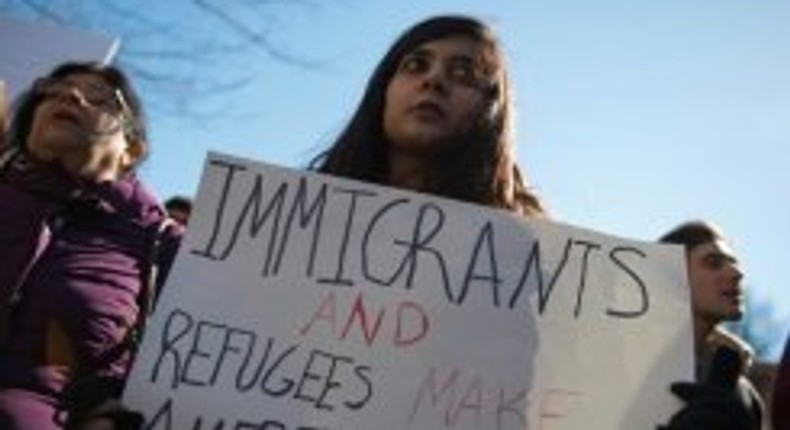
(419, 52)
(92, 85)
(477, 61)
(465, 59)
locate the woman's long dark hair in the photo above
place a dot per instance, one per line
(25, 106)
(481, 169)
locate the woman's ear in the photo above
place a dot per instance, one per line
(135, 151)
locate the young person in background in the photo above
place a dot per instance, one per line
(179, 208)
(81, 240)
(722, 398)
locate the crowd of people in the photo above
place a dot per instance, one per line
(86, 246)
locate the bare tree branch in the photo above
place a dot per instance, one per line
(260, 38)
(183, 54)
(42, 10)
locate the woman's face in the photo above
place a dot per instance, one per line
(439, 91)
(80, 123)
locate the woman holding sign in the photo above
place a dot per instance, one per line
(81, 238)
(436, 117)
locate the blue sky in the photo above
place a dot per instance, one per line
(632, 116)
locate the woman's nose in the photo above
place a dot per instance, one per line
(74, 95)
(434, 79)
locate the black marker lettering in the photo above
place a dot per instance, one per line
(169, 340)
(232, 168)
(287, 383)
(614, 255)
(533, 265)
(241, 385)
(315, 211)
(366, 266)
(227, 347)
(419, 243)
(362, 374)
(219, 425)
(589, 246)
(339, 278)
(189, 377)
(485, 239)
(272, 425)
(165, 412)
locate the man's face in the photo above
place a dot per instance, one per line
(715, 279)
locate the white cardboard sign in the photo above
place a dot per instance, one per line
(304, 301)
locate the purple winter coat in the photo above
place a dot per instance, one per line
(76, 256)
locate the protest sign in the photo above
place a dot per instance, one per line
(29, 50)
(304, 301)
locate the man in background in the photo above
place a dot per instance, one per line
(722, 398)
(179, 208)
(781, 401)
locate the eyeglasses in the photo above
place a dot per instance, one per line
(102, 97)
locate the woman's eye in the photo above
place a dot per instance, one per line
(98, 96)
(464, 73)
(100, 101)
(414, 64)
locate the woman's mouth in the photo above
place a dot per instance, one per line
(66, 116)
(428, 110)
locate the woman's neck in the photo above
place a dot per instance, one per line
(408, 171)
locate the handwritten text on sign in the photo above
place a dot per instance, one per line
(302, 301)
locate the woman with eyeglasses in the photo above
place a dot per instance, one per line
(81, 239)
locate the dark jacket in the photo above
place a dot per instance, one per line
(781, 398)
(74, 262)
(745, 391)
